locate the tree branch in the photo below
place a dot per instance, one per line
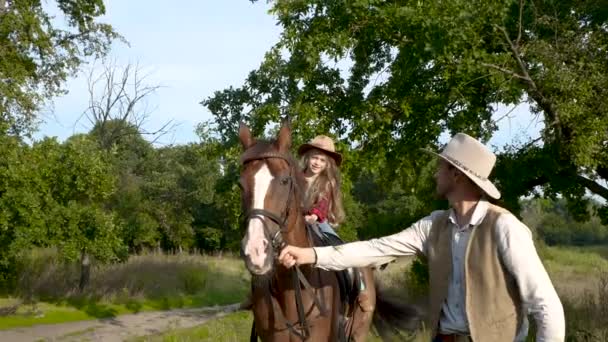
(602, 171)
(593, 186)
(506, 71)
(521, 14)
(534, 92)
(119, 95)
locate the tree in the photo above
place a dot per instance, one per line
(37, 56)
(423, 68)
(118, 105)
(553, 222)
(52, 195)
(180, 180)
(79, 180)
(128, 155)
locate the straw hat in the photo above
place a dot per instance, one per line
(471, 157)
(323, 143)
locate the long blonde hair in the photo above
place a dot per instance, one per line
(327, 184)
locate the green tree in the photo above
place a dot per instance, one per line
(179, 180)
(22, 220)
(53, 194)
(80, 180)
(553, 222)
(37, 55)
(129, 154)
(422, 68)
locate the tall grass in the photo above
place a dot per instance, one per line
(580, 276)
(152, 277)
(144, 282)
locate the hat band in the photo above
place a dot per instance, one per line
(324, 148)
(460, 165)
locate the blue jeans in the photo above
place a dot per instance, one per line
(326, 228)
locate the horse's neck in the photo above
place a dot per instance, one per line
(298, 235)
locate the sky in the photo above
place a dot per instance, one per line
(191, 50)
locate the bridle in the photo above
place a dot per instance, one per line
(277, 242)
(276, 238)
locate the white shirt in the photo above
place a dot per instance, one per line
(517, 251)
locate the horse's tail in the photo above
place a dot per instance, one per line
(394, 318)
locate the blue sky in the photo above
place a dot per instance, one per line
(193, 48)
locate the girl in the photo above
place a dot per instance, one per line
(323, 198)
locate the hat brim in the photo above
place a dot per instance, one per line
(484, 184)
(337, 157)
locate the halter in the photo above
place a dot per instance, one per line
(280, 219)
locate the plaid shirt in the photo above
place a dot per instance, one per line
(321, 209)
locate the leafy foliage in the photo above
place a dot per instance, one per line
(37, 54)
(53, 195)
(417, 69)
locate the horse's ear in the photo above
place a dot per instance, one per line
(245, 136)
(284, 138)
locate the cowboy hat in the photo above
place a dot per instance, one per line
(323, 143)
(471, 157)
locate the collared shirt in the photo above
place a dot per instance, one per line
(516, 249)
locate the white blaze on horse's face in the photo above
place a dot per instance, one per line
(256, 246)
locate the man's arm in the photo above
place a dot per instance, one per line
(536, 290)
(373, 252)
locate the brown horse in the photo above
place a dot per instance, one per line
(301, 303)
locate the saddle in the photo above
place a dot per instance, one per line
(350, 281)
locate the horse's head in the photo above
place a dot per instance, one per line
(269, 202)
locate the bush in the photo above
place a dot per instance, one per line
(417, 278)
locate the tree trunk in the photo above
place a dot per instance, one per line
(85, 270)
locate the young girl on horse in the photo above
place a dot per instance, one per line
(322, 196)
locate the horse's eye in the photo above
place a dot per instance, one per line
(285, 181)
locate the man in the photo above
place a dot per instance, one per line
(485, 274)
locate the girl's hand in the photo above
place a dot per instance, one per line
(311, 218)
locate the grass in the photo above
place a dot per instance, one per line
(233, 327)
(159, 282)
(580, 275)
(237, 326)
(144, 283)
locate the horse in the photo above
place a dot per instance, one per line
(302, 303)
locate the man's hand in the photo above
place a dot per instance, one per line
(291, 256)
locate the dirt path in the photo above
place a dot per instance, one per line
(119, 328)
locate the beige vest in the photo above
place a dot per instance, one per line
(493, 303)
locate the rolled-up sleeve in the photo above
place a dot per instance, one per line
(375, 252)
(537, 292)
